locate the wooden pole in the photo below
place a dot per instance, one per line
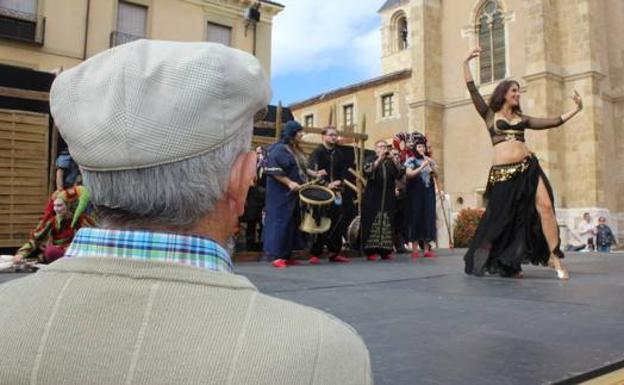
(442, 201)
(278, 121)
(358, 180)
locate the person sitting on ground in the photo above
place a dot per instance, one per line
(586, 230)
(604, 236)
(161, 131)
(57, 228)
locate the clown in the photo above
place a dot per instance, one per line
(63, 216)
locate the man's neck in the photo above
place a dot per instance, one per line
(328, 146)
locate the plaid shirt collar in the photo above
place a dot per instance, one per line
(150, 246)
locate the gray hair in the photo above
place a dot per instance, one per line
(178, 194)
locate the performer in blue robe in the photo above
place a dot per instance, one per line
(286, 171)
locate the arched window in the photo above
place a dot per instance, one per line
(491, 32)
(400, 31)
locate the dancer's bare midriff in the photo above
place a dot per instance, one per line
(510, 151)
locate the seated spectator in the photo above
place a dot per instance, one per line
(57, 227)
(586, 230)
(161, 132)
(604, 236)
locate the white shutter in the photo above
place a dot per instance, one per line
(219, 34)
(27, 6)
(131, 19)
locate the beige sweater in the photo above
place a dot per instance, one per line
(113, 321)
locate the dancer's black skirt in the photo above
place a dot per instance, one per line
(510, 232)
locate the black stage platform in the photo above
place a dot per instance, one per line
(428, 323)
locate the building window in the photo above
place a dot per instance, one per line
(218, 33)
(347, 115)
(387, 105)
(399, 31)
(131, 23)
(308, 120)
(491, 32)
(19, 21)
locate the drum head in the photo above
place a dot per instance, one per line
(316, 195)
(353, 233)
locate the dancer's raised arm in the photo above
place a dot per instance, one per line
(477, 99)
(544, 123)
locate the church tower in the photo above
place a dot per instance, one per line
(395, 36)
(411, 39)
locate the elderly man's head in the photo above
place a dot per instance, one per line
(162, 130)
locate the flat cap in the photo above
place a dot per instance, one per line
(149, 103)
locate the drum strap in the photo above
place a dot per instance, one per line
(300, 162)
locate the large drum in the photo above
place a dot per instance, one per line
(315, 202)
(353, 234)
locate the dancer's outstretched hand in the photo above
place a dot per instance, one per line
(474, 53)
(578, 100)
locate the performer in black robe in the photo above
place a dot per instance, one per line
(326, 162)
(349, 197)
(254, 205)
(399, 210)
(379, 202)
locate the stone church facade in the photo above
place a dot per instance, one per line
(551, 47)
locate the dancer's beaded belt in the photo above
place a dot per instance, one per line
(505, 172)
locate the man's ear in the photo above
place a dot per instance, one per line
(241, 177)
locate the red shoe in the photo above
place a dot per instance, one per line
(292, 262)
(279, 264)
(429, 254)
(339, 259)
(314, 260)
(415, 255)
(372, 258)
(387, 257)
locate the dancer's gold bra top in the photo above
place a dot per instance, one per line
(500, 128)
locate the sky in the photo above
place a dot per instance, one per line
(320, 45)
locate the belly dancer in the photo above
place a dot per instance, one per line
(519, 224)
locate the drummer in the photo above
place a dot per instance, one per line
(286, 171)
(326, 161)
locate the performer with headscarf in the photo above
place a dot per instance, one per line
(381, 172)
(327, 162)
(400, 142)
(57, 227)
(421, 199)
(286, 170)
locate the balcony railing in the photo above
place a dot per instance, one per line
(22, 26)
(118, 38)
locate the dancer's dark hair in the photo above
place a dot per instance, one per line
(497, 100)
